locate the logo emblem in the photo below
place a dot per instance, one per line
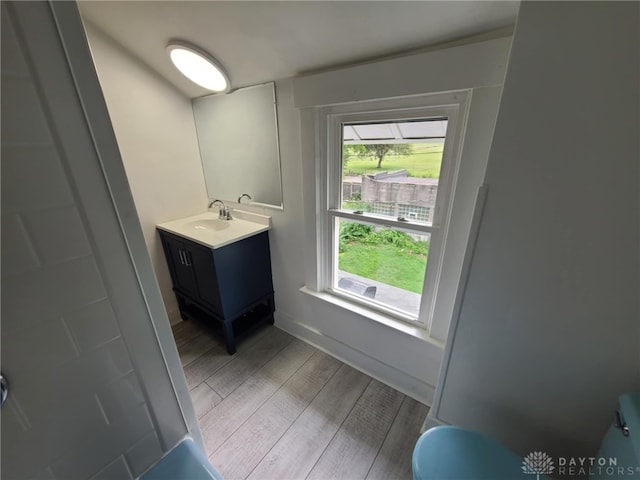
(537, 463)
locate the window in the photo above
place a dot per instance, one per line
(390, 172)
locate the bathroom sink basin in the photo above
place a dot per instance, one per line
(208, 224)
(208, 230)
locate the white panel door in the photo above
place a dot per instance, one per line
(90, 395)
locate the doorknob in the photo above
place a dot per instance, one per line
(4, 389)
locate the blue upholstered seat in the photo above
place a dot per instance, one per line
(184, 462)
(454, 453)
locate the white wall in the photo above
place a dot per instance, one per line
(402, 357)
(549, 330)
(91, 392)
(156, 134)
(399, 357)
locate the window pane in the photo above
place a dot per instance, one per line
(381, 265)
(392, 169)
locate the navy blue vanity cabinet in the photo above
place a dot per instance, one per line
(228, 287)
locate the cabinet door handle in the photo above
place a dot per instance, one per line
(187, 258)
(181, 256)
(4, 389)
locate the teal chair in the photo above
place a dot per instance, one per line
(454, 453)
(183, 462)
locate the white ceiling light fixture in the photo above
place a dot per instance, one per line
(198, 66)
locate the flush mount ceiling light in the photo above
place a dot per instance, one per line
(198, 66)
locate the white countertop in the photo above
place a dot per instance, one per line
(207, 230)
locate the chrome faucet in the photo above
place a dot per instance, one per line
(223, 212)
(242, 196)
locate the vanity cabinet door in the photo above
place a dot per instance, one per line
(206, 281)
(179, 268)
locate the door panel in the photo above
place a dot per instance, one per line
(80, 398)
(182, 273)
(201, 260)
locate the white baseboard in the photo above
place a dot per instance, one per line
(431, 422)
(174, 317)
(387, 374)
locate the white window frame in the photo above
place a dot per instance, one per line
(329, 121)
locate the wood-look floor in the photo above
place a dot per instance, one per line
(282, 409)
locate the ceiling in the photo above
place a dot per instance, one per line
(264, 40)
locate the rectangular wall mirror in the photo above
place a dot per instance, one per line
(238, 139)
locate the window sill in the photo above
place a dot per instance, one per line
(374, 315)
